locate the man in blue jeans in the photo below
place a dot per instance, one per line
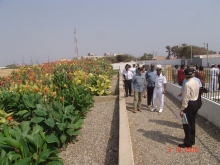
(150, 77)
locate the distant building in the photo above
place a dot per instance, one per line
(116, 54)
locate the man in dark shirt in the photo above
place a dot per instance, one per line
(150, 77)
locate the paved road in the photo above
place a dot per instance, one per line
(155, 137)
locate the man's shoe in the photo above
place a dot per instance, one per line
(184, 146)
(153, 109)
(148, 106)
(134, 111)
(161, 110)
(139, 109)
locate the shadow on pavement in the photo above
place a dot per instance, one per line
(160, 137)
(167, 123)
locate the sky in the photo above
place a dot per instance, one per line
(39, 30)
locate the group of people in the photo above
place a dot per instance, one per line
(214, 76)
(137, 80)
(191, 82)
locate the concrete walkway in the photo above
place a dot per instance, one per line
(155, 137)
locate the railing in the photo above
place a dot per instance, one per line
(209, 78)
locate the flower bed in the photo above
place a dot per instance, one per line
(42, 108)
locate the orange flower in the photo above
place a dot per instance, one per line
(9, 118)
(36, 89)
(45, 90)
(54, 93)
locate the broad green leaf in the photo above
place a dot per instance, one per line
(35, 156)
(13, 156)
(37, 119)
(78, 123)
(50, 122)
(63, 138)
(40, 113)
(3, 153)
(24, 148)
(2, 120)
(6, 131)
(36, 129)
(56, 162)
(23, 161)
(61, 126)
(37, 141)
(44, 156)
(12, 142)
(69, 109)
(70, 131)
(52, 138)
(25, 126)
(77, 133)
(22, 112)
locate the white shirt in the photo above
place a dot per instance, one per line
(160, 81)
(133, 70)
(128, 75)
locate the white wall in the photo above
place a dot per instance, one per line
(213, 60)
(210, 110)
(161, 62)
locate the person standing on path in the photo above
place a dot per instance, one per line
(213, 78)
(159, 90)
(190, 107)
(201, 75)
(127, 80)
(150, 77)
(138, 86)
(175, 74)
(181, 75)
(219, 77)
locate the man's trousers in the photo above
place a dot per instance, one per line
(137, 99)
(150, 91)
(189, 129)
(158, 94)
(128, 87)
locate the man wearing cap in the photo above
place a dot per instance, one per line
(138, 87)
(189, 107)
(150, 77)
(213, 78)
(159, 89)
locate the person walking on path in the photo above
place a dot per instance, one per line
(138, 86)
(181, 75)
(175, 74)
(150, 77)
(219, 77)
(128, 75)
(201, 75)
(213, 78)
(159, 90)
(189, 107)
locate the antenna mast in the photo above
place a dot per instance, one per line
(75, 42)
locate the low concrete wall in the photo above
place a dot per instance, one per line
(210, 110)
(125, 147)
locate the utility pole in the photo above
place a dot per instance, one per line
(191, 54)
(207, 56)
(75, 43)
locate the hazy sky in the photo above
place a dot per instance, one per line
(39, 29)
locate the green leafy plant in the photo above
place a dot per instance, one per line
(22, 145)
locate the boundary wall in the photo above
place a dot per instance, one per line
(210, 110)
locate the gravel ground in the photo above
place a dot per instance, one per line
(155, 137)
(98, 144)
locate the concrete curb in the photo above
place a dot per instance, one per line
(125, 147)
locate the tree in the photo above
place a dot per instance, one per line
(146, 57)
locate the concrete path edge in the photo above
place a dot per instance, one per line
(125, 146)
